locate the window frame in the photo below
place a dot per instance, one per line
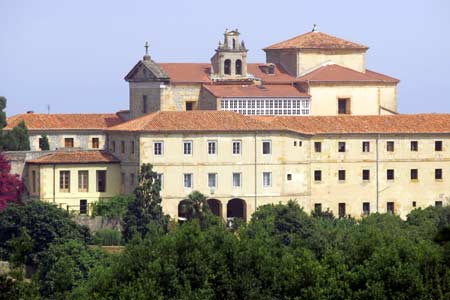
(317, 147)
(191, 180)
(364, 173)
(438, 174)
(366, 146)
(318, 174)
(64, 181)
(366, 210)
(269, 142)
(390, 146)
(390, 172)
(212, 142)
(240, 180)
(342, 176)
(81, 188)
(237, 142)
(95, 143)
(438, 146)
(160, 150)
(190, 147)
(99, 187)
(342, 147)
(215, 180)
(264, 179)
(414, 146)
(72, 142)
(160, 178)
(86, 210)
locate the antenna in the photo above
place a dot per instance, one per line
(48, 109)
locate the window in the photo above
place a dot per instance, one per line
(144, 104)
(414, 146)
(227, 67)
(236, 147)
(188, 181)
(187, 147)
(414, 204)
(318, 146)
(438, 174)
(268, 106)
(341, 175)
(132, 147)
(267, 147)
(189, 105)
(437, 145)
(122, 147)
(295, 143)
(41, 142)
(132, 178)
(390, 146)
(317, 208)
(390, 174)
(289, 177)
(95, 143)
(64, 181)
(414, 174)
(68, 142)
(160, 180)
(341, 147)
(158, 148)
(83, 207)
(366, 146)
(390, 208)
(212, 180)
(300, 143)
(366, 208)
(343, 106)
(212, 147)
(366, 175)
(33, 180)
(317, 175)
(238, 67)
(83, 181)
(341, 210)
(113, 146)
(438, 203)
(101, 181)
(267, 179)
(237, 180)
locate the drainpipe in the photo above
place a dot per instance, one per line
(256, 180)
(377, 168)
(54, 185)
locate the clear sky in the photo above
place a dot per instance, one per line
(73, 55)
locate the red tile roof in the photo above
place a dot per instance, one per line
(211, 120)
(64, 121)
(254, 91)
(187, 72)
(280, 75)
(337, 73)
(316, 40)
(224, 121)
(76, 157)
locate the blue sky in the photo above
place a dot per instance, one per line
(73, 55)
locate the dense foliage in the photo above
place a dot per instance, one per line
(11, 186)
(282, 253)
(44, 223)
(17, 139)
(113, 208)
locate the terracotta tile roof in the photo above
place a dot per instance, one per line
(316, 40)
(388, 124)
(337, 73)
(187, 72)
(254, 91)
(65, 121)
(224, 121)
(210, 120)
(76, 157)
(199, 72)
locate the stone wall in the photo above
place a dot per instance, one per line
(98, 223)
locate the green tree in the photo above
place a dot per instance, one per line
(195, 207)
(43, 143)
(63, 266)
(2, 119)
(145, 210)
(43, 222)
(17, 139)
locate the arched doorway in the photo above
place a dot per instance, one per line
(182, 213)
(215, 206)
(239, 67)
(237, 208)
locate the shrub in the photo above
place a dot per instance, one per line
(107, 237)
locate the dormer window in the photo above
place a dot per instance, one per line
(238, 67)
(271, 69)
(227, 67)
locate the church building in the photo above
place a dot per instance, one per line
(311, 124)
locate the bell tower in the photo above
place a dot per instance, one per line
(230, 60)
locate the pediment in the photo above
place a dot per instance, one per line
(147, 70)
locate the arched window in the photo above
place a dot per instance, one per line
(234, 44)
(239, 67)
(227, 67)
